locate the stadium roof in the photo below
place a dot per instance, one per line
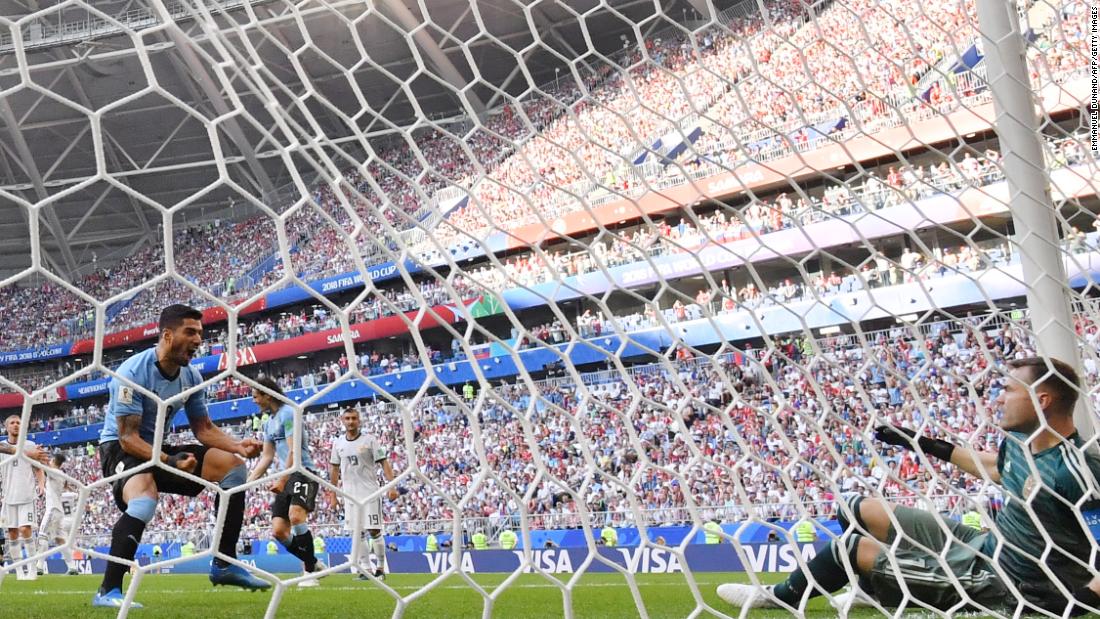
(85, 89)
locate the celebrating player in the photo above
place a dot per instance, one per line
(124, 443)
(1046, 477)
(19, 494)
(355, 458)
(58, 519)
(295, 494)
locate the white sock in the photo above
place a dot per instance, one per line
(67, 554)
(378, 544)
(43, 546)
(20, 547)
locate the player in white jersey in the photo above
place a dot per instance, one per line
(355, 461)
(19, 494)
(58, 519)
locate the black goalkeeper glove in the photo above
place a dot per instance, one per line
(905, 438)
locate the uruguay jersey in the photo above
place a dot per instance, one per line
(358, 461)
(142, 369)
(280, 430)
(1063, 476)
(18, 476)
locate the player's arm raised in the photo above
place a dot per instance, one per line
(978, 463)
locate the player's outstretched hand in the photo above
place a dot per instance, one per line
(37, 453)
(250, 447)
(893, 435)
(394, 494)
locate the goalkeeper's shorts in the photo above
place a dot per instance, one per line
(936, 578)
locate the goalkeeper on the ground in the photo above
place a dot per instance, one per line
(1036, 555)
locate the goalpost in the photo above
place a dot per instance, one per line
(691, 256)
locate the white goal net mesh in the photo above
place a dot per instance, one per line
(614, 268)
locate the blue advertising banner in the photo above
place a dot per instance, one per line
(635, 560)
(337, 283)
(35, 354)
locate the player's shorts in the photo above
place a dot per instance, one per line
(299, 490)
(114, 460)
(363, 518)
(19, 515)
(55, 524)
(930, 580)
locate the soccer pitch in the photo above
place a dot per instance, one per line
(341, 595)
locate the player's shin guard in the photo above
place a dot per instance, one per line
(826, 569)
(234, 514)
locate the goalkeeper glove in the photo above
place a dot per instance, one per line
(904, 437)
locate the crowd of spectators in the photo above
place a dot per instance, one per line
(573, 130)
(794, 89)
(756, 434)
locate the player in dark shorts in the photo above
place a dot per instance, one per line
(295, 493)
(1048, 479)
(125, 443)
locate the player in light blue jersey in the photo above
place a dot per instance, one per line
(1037, 556)
(125, 443)
(296, 493)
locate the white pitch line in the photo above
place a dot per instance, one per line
(363, 588)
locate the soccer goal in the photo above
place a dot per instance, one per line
(715, 305)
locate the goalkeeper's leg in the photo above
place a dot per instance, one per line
(858, 518)
(825, 573)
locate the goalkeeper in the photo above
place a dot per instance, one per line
(950, 567)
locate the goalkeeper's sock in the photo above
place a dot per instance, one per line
(826, 570)
(124, 544)
(378, 544)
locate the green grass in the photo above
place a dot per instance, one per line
(529, 596)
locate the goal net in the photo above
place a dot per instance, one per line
(635, 282)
